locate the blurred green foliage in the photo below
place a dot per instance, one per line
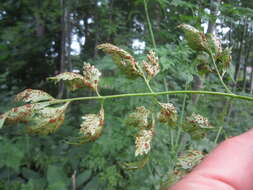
(30, 43)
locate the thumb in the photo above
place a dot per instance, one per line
(227, 167)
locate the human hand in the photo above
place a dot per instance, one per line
(227, 167)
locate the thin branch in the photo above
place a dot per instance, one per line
(152, 94)
(218, 73)
(149, 24)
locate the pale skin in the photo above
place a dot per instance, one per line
(227, 167)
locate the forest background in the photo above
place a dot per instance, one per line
(39, 39)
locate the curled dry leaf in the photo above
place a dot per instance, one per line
(91, 127)
(196, 39)
(184, 165)
(214, 44)
(32, 96)
(168, 114)
(197, 125)
(143, 141)
(73, 81)
(123, 59)
(151, 66)
(189, 160)
(224, 58)
(91, 76)
(139, 118)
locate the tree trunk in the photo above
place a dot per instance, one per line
(40, 27)
(64, 51)
(251, 81)
(212, 21)
(246, 57)
(239, 60)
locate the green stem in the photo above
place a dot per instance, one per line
(147, 83)
(152, 94)
(218, 73)
(149, 24)
(222, 119)
(101, 100)
(96, 90)
(218, 134)
(181, 121)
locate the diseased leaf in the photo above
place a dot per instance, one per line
(47, 120)
(195, 38)
(32, 96)
(91, 76)
(73, 81)
(40, 118)
(151, 66)
(143, 142)
(224, 59)
(139, 118)
(123, 59)
(197, 126)
(20, 114)
(214, 44)
(24, 113)
(189, 159)
(91, 128)
(168, 114)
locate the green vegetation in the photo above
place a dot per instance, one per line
(135, 117)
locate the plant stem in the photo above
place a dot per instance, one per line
(222, 119)
(96, 89)
(149, 24)
(57, 101)
(181, 121)
(218, 73)
(218, 134)
(147, 83)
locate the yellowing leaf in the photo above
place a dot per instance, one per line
(32, 96)
(20, 114)
(73, 81)
(39, 118)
